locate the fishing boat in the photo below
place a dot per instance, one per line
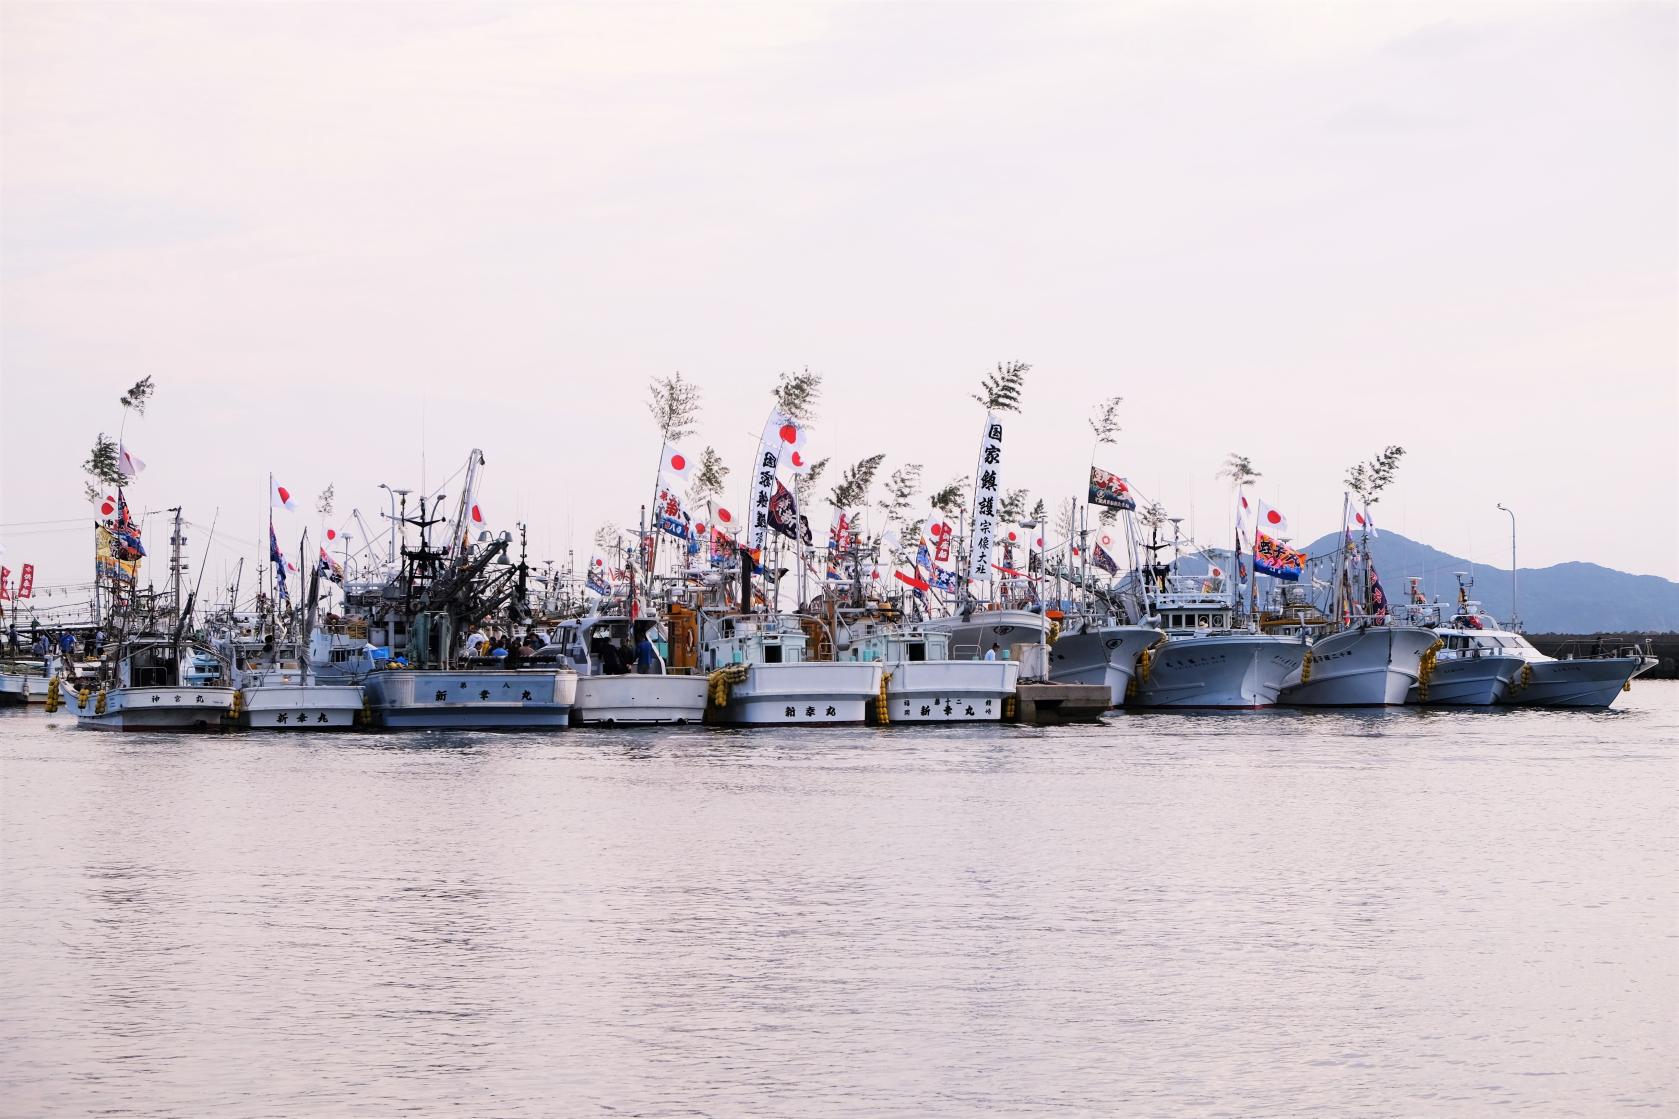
(922, 682)
(1206, 660)
(974, 630)
(591, 646)
(424, 675)
(1100, 649)
(1359, 655)
(158, 682)
(1367, 664)
(762, 673)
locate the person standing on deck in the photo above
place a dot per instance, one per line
(644, 655)
(991, 653)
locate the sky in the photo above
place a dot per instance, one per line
(350, 243)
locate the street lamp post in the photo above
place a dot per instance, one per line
(1514, 616)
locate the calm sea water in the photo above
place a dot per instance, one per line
(1411, 913)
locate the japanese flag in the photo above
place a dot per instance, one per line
(791, 433)
(675, 466)
(1272, 522)
(797, 460)
(1361, 521)
(128, 464)
(477, 515)
(280, 497)
(108, 507)
(1244, 512)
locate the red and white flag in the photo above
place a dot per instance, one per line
(1361, 521)
(477, 515)
(26, 581)
(280, 497)
(108, 506)
(5, 582)
(128, 463)
(1272, 522)
(675, 466)
(797, 461)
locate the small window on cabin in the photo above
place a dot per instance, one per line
(916, 650)
(772, 654)
(1202, 621)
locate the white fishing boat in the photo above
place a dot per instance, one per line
(1100, 650)
(923, 683)
(1370, 664)
(473, 697)
(974, 631)
(761, 674)
(158, 683)
(601, 648)
(1206, 660)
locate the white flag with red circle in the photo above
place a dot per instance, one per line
(280, 497)
(675, 466)
(1271, 521)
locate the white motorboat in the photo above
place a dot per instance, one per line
(1205, 660)
(1099, 650)
(1485, 663)
(160, 683)
(761, 674)
(601, 649)
(923, 683)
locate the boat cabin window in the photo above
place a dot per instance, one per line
(915, 650)
(772, 653)
(1203, 621)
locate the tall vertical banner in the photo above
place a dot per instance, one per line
(987, 494)
(780, 433)
(26, 581)
(5, 582)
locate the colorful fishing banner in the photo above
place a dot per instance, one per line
(670, 517)
(1274, 558)
(26, 581)
(1110, 490)
(784, 515)
(331, 567)
(987, 496)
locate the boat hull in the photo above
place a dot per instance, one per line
(1592, 682)
(635, 700)
(161, 709)
(471, 699)
(295, 707)
(14, 689)
(970, 639)
(802, 693)
(949, 691)
(1105, 655)
(1373, 667)
(1468, 682)
(1220, 670)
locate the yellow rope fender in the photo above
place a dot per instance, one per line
(238, 701)
(99, 707)
(1008, 707)
(720, 681)
(1527, 674)
(52, 695)
(1054, 632)
(1306, 666)
(1145, 663)
(365, 715)
(1425, 669)
(882, 715)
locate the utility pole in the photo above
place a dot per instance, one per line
(1515, 618)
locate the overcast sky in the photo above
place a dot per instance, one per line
(344, 238)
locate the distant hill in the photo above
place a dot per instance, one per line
(1564, 598)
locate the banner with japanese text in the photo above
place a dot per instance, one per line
(988, 492)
